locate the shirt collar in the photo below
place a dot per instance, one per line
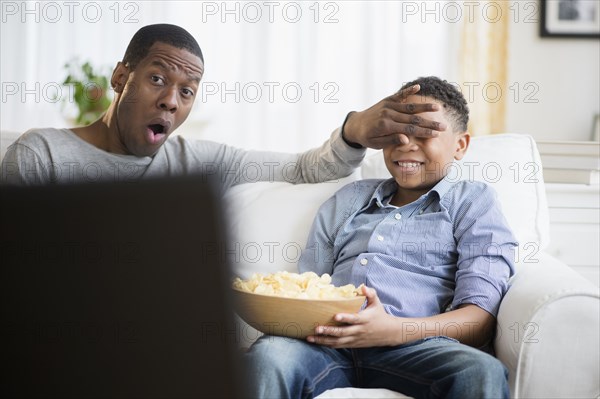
(388, 187)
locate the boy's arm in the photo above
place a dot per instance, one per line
(372, 326)
(468, 324)
(486, 251)
(318, 254)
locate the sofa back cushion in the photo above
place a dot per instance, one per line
(270, 222)
(511, 164)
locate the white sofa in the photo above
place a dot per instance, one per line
(548, 324)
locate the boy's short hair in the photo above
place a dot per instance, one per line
(449, 95)
(172, 35)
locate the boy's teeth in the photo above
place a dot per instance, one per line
(409, 164)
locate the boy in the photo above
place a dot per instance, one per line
(424, 242)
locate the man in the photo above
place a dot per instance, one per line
(155, 86)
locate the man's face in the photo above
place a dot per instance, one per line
(420, 164)
(156, 97)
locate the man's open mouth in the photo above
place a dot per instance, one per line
(157, 128)
(157, 131)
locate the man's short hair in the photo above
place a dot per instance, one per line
(449, 95)
(172, 35)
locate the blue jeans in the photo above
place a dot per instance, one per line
(434, 367)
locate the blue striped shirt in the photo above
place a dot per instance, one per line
(452, 246)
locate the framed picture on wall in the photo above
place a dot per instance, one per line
(570, 18)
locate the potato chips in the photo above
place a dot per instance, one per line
(293, 285)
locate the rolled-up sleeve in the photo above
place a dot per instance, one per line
(486, 251)
(320, 253)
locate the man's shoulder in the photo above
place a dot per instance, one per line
(40, 136)
(180, 144)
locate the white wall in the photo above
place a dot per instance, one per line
(356, 52)
(367, 54)
(563, 76)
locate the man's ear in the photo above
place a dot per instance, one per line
(462, 143)
(119, 77)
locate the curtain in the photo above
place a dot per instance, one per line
(484, 42)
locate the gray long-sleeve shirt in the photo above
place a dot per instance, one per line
(43, 156)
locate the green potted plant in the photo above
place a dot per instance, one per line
(90, 91)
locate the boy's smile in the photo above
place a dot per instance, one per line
(423, 162)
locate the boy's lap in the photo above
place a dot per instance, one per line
(423, 360)
(430, 358)
(274, 351)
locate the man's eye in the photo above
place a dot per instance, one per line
(187, 92)
(156, 79)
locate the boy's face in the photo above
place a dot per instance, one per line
(420, 164)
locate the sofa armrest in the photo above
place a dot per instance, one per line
(548, 329)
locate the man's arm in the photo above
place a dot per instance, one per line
(22, 166)
(333, 160)
(388, 121)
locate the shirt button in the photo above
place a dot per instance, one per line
(379, 238)
(364, 261)
(398, 216)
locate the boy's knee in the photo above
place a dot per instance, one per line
(497, 367)
(486, 367)
(274, 352)
(475, 374)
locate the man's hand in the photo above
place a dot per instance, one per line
(390, 121)
(368, 328)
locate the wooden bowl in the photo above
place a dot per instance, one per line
(291, 317)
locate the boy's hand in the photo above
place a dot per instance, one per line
(370, 327)
(390, 121)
